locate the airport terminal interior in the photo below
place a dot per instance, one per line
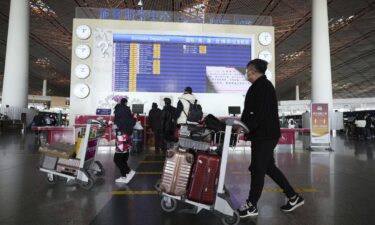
(75, 79)
(338, 188)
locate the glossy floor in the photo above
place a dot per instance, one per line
(338, 187)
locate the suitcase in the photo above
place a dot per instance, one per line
(204, 178)
(176, 172)
(68, 166)
(49, 162)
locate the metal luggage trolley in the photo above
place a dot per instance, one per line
(84, 165)
(222, 205)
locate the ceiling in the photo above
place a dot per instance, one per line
(352, 41)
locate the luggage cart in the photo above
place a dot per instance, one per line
(222, 205)
(84, 165)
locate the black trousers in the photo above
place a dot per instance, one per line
(158, 140)
(262, 163)
(168, 140)
(121, 161)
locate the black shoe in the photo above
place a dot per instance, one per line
(247, 210)
(293, 203)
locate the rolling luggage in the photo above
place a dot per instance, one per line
(49, 162)
(68, 166)
(176, 172)
(204, 178)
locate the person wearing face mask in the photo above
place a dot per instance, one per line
(260, 115)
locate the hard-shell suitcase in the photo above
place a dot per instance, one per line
(68, 166)
(49, 162)
(176, 172)
(204, 178)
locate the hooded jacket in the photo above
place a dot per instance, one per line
(154, 117)
(124, 119)
(260, 113)
(183, 107)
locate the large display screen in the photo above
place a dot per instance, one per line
(169, 63)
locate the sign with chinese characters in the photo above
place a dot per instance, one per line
(320, 127)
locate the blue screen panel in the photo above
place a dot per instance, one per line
(169, 63)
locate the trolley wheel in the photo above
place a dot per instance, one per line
(231, 220)
(168, 206)
(51, 179)
(87, 185)
(101, 171)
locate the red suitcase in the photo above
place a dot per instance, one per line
(205, 175)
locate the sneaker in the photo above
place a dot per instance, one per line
(293, 203)
(247, 210)
(120, 180)
(129, 176)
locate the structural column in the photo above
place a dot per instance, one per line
(321, 80)
(297, 93)
(16, 73)
(44, 87)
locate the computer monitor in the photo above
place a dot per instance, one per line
(137, 108)
(234, 110)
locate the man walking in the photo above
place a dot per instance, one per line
(260, 115)
(154, 117)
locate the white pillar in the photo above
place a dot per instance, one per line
(44, 87)
(16, 72)
(321, 80)
(297, 92)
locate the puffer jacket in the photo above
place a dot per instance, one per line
(183, 107)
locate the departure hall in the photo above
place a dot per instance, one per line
(181, 112)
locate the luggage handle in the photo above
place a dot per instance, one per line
(233, 121)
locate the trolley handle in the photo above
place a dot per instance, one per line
(233, 121)
(101, 122)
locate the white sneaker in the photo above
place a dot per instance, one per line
(129, 176)
(121, 180)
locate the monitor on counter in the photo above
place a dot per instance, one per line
(234, 110)
(137, 108)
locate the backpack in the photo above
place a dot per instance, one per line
(214, 123)
(195, 113)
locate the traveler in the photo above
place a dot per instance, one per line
(154, 117)
(38, 121)
(368, 126)
(291, 124)
(260, 115)
(183, 106)
(168, 124)
(125, 123)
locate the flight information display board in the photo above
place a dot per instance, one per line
(169, 63)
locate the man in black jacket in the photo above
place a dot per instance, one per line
(154, 117)
(260, 115)
(168, 124)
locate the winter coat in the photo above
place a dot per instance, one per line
(183, 107)
(124, 119)
(168, 122)
(154, 117)
(260, 113)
